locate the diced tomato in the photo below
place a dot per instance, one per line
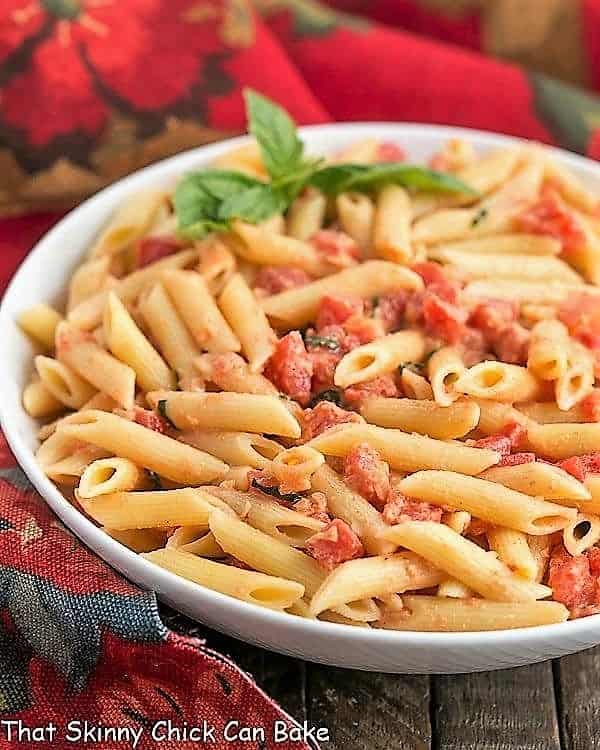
(151, 249)
(389, 152)
(275, 279)
(390, 310)
(443, 319)
(515, 432)
(315, 506)
(570, 579)
(549, 216)
(593, 555)
(323, 416)
(290, 368)
(511, 345)
(439, 162)
(581, 466)
(493, 315)
(516, 459)
(472, 347)
(335, 309)
(382, 386)
(368, 474)
(430, 272)
(413, 312)
(336, 247)
(399, 509)
(591, 406)
(150, 419)
(363, 329)
(324, 363)
(581, 314)
(499, 443)
(336, 544)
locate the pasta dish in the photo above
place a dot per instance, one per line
(347, 388)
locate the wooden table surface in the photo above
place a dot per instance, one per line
(549, 706)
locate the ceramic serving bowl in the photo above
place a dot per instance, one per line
(43, 277)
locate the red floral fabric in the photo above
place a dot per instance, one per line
(93, 89)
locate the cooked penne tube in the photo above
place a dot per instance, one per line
(356, 213)
(405, 452)
(168, 331)
(373, 577)
(82, 354)
(129, 345)
(243, 412)
(294, 467)
(248, 320)
(185, 536)
(64, 384)
(538, 479)
(131, 221)
(259, 245)
(39, 402)
(89, 279)
(581, 534)
(306, 214)
(558, 441)
(415, 385)
(197, 308)
(592, 484)
(540, 547)
(433, 614)
(577, 381)
(269, 516)
(217, 263)
(205, 546)
(167, 457)
(379, 357)
(246, 158)
(488, 501)
(530, 292)
(505, 244)
(547, 356)
(364, 151)
(296, 307)
(495, 416)
(107, 475)
(454, 589)
(499, 266)
(352, 508)
(512, 549)
(138, 540)
(465, 561)
(39, 323)
(265, 553)
(444, 367)
(457, 520)
(360, 611)
(149, 510)
(232, 373)
(498, 381)
(547, 412)
(235, 448)
(88, 314)
(68, 470)
(424, 416)
(391, 225)
(256, 588)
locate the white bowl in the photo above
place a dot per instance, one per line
(43, 277)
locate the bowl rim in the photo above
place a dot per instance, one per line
(111, 548)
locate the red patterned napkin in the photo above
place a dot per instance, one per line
(92, 89)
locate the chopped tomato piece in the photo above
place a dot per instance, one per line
(323, 416)
(150, 419)
(493, 315)
(382, 386)
(430, 272)
(335, 309)
(581, 466)
(499, 443)
(363, 329)
(290, 368)
(389, 152)
(516, 459)
(512, 344)
(275, 279)
(314, 506)
(570, 579)
(390, 310)
(151, 249)
(336, 544)
(368, 474)
(324, 363)
(399, 509)
(549, 216)
(443, 319)
(336, 247)
(515, 432)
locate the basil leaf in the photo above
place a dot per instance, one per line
(253, 204)
(325, 342)
(341, 178)
(162, 410)
(276, 134)
(332, 395)
(290, 497)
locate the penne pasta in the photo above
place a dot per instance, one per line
(559, 441)
(108, 475)
(498, 381)
(391, 225)
(548, 354)
(356, 213)
(581, 534)
(306, 215)
(444, 367)
(234, 448)
(504, 244)
(62, 383)
(423, 416)
(40, 323)
(380, 357)
(39, 402)
(260, 246)
(513, 550)
(538, 479)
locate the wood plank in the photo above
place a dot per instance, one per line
(285, 680)
(369, 711)
(577, 684)
(505, 710)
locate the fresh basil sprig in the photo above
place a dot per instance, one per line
(208, 200)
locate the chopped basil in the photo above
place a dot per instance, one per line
(325, 342)
(332, 394)
(162, 410)
(479, 217)
(155, 479)
(416, 367)
(290, 497)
